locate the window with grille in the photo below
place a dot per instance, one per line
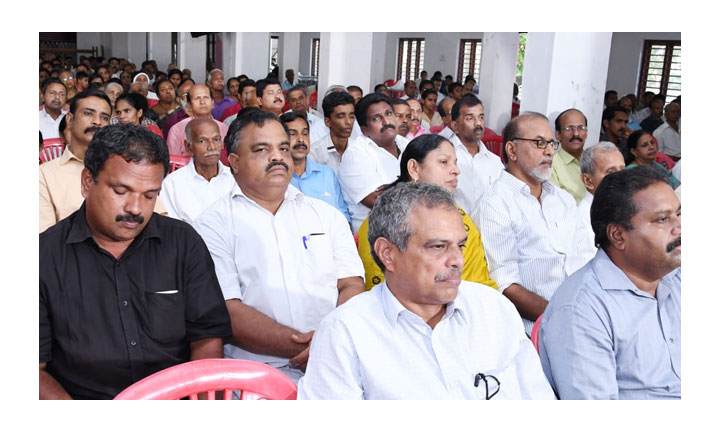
(315, 57)
(274, 40)
(411, 58)
(469, 59)
(660, 71)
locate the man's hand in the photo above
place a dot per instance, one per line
(301, 359)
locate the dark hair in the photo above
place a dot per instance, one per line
(441, 108)
(658, 97)
(453, 86)
(227, 83)
(467, 100)
(291, 116)
(632, 142)
(114, 80)
(334, 99)
(175, 72)
(246, 83)
(86, 94)
(363, 104)
(133, 142)
(186, 80)
(245, 118)
(261, 84)
(558, 126)
(399, 102)
(62, 125)
(49, 81)
(379, 87)
(513, 129)
(300, 87)
(417, 149)
(160, 81)
(609, 112)
(609, 92)
(96, 76)
(614, 201)
(136, 100)
(81, 74)
(428, 92)
(240, 77)
(424, 83)
(437, 77)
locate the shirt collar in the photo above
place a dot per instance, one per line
(291, 194)
(566, 157)
(611, 277)
(392, 308)
(311, 165)
(520, 186)
(67, 156)
(80, 231)
(222, 169)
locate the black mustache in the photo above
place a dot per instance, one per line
(386, 127)
(276, 163)
(91, 129)
(298, 145)
(129, 217)
(576, 138)
(478, 129)
(673, 245)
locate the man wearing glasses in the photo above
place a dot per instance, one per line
(571, 130)
(528, 225)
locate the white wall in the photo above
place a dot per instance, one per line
(160, 49)
(625, 57)
(441, 52)
(191, 55)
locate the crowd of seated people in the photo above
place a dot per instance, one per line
(378, 249)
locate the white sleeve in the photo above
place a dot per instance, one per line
(345, 254)
(498, 236)
(167, 194)
(357, 175)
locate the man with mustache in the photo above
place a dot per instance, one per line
(60, 195)
(311, 178)
(479, 167)
(270, 96)
(529, 226)
(298, 100)
(403, 115)
(188, 191)
(416, 128)
(571, 131)
(612, 329)
(375, 160)
(423, 333)
(54, 97)
(284, 260)
(445, 111)
(124, 292)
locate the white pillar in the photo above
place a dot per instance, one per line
(567, 70)
(377, 68)
(137, 49)
(192, 54)
(345, 59)
(288, 54)
(497, 74)
(160, 49)
(246, 53)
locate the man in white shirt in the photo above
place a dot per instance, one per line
(667, 134)
(445, 111)
(191, 189)
(410, 90)
(339, 111)
(298, 100)
(372, 161)
(283, 260)
(423, 333)
(528, 225)
(479, 167)
(54, 97)
(595, 163)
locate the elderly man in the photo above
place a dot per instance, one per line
(302, 263)
(298, 100)
(401, 109)
(410, 90)
(423, 333)
(191, 189)
(113, 89)
(416, 127)
(595, 163)
(445, 111)
(374, 160)
(528, 225)
(311, 178)
(54, 97)
(571, 130)
(667, 134)
(124, 293)
(339, 111)
(612, 330)
(479, 167)
(201, 104)
(60, 178)
(270, 96)
(216, 83)
(356, 92)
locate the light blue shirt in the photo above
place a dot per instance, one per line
(319, 181)
(603, 338)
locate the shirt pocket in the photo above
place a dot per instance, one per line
(165, 316)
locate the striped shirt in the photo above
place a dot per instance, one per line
(528, 242)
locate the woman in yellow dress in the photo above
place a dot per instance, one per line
(431, 158)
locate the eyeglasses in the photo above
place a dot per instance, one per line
(540, 143)
(581, 128)
(481, 376)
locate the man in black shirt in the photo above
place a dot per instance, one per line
(124, 293)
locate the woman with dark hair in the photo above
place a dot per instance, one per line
(130, 108)
(431, 158)
(643, 151)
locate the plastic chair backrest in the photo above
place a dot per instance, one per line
(254, 380)
(437, 129)
(52, 148)
(313, 100)
(494, 144)
(535, 334)
(178, 161)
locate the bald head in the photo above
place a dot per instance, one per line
(445, 110)
(200, 100)
(198, 123)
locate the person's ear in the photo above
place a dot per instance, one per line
(511, 150)
(234, 161)
(413, 169)
(587, 181)
(385, 252)
(617, 236)
(188, 146)
(86, 182)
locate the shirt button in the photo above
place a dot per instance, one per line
(672, 340)
(124, 303)
(133, 342)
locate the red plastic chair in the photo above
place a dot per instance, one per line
(494, 144)
(312, 100)
(52, 148)
(178, 161)
(437, 129)
(535, 334)
(394, 94)
(254, 380)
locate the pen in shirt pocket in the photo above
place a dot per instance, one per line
(307, 237)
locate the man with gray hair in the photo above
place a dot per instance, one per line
(284, 260)
(407, 338)
(528, 225)
(221, 101)
(188, 191)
